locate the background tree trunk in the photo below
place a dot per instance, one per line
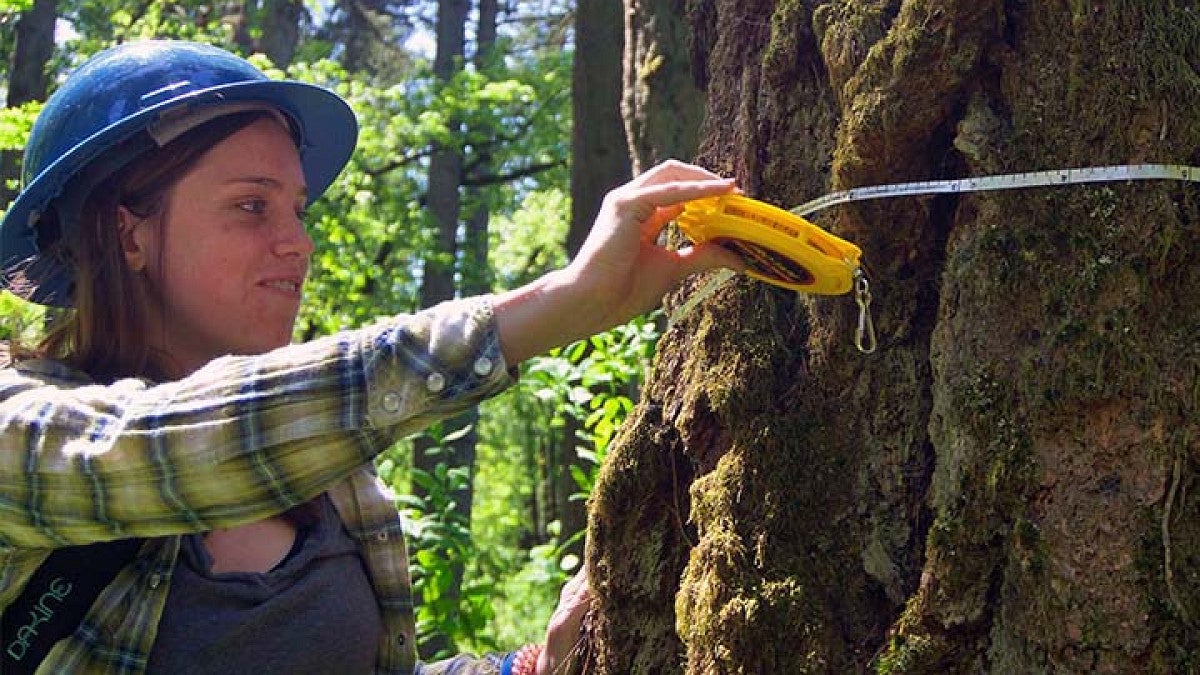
(476, 275)
(27, 80)
(281, 30)
(278, 28)
(372, 34)
(599, 153)
(599, 163)
(444, 201)
(1008, 485)
(662, 106)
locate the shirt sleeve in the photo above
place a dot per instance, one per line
(239, 440)
(465, 664)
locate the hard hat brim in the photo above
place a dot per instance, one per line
(327, 134)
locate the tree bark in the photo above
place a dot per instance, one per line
(278, 23)
(476, 273)
(443, 198)
(372, 34)
(599, 153)
(1006, 485)
(662, 106)
(281, 30)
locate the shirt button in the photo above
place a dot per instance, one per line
(391, 401)
(382, 536)
(483, 366)
(401, 639)
(436, 382)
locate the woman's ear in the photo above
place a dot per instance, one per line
(132, 232)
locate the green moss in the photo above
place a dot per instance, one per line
(789, 20)
(913, 654)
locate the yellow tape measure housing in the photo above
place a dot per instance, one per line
(779, 248)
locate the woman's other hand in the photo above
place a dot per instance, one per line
(563, 631)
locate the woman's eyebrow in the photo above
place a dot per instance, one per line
(265, 181)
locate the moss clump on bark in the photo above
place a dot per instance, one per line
(643, 510)
(743, 576)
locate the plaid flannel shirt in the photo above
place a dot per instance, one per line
(241, 439)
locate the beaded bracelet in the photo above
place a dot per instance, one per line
(525, 660)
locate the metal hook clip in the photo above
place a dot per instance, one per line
(864, 335)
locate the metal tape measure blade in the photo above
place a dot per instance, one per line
(1008, 181)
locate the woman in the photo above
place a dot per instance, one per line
(164, 188)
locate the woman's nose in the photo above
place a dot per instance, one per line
(294, 239)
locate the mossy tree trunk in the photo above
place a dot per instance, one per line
(1009, 484)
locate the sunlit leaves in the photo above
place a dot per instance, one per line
(20, 321)
(529, 242)
(9, 7)
(371, 228)
(15, 124)
(592, 380)
(442, 544)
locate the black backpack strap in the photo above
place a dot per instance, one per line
(56, 599)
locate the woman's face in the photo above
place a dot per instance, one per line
(227, 258)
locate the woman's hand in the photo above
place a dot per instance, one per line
(620, 271)
(562, 633)
(620, 267)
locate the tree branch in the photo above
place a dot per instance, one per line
(523, 172)
(375, 172)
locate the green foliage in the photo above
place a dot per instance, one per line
(513, 442)
(529, 242)
(14, 7)
(510, 117)
(20, 321)
(369, 225)
(371, 228)
(442, 545)
(15, 124)
(593, 381)
(527, 597)
(102, 23)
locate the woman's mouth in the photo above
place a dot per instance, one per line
(286, 285)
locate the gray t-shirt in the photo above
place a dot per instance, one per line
(314, 613)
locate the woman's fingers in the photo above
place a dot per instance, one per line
(672, 170)
(676, 192)
(563, 632)
(709, 256)
(653, 206)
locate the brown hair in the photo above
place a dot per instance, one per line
(104, 334)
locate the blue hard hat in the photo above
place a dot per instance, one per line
(126, 90)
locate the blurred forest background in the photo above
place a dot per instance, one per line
(462, 184)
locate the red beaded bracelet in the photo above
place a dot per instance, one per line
(525, 662)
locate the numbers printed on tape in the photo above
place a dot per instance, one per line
(1008, 181)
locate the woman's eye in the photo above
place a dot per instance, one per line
(255, 206)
